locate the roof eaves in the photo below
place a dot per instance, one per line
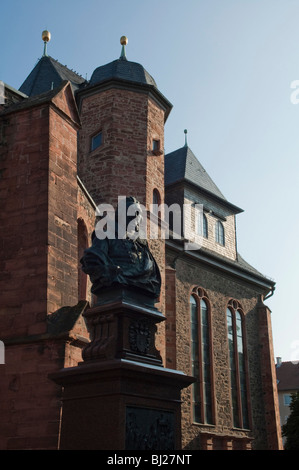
(235, 268)
(124, 84)
(235, 209)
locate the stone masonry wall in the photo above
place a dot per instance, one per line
(38, 190)
(220, 289)
(118, 166)
(23, 221)
(62, 230)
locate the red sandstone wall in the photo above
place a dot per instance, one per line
(62, 213)
(118, 166)
(38, 253)
(23, 221)
(269, 379)
(86, 222)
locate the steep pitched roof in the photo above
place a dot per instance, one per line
(288, 376)
(182, 165)
(48, 74)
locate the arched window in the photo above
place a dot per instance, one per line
(201, 358)
(219, 233)
(237, 364)
(156, 197)
(202, 225)
(156, 202)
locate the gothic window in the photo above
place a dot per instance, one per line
(96, 141)
(201, 358)
(156, 197)
(219, 233)
(202, 225)
(156, 202)
(237, 364)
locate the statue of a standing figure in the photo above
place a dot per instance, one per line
(123, 262)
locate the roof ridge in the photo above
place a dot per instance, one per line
(64, 66)
(48, 73)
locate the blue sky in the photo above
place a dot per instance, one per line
(227, 68)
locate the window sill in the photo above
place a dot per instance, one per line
(205, 425)
(241, 429)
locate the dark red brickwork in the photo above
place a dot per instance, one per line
(38, 253)
(109, 170)
(269, 380)
(24, 221)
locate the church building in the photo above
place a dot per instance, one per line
(68, 144)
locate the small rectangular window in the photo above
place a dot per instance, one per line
(96, 141)
(287, 398)
(156, 145)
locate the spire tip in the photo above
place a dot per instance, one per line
(124, 42)
(46, 37)
(185, 132)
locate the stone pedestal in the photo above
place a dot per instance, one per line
(121, 397)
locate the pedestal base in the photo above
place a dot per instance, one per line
(121, 405)
(121, 397)
(123, 328)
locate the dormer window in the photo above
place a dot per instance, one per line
(96, 141)
(219, 233)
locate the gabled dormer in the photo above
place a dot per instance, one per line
(187, 182)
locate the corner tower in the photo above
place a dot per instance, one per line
(121, 142)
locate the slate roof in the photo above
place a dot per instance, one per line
(182, 165)
(47, 74)
(288, 376)
(122, 69)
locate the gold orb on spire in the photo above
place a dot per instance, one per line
(46, 36)
(124, 40)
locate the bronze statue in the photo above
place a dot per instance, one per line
(124, 262)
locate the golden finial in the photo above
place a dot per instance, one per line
(46, 36)
(124, 42)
